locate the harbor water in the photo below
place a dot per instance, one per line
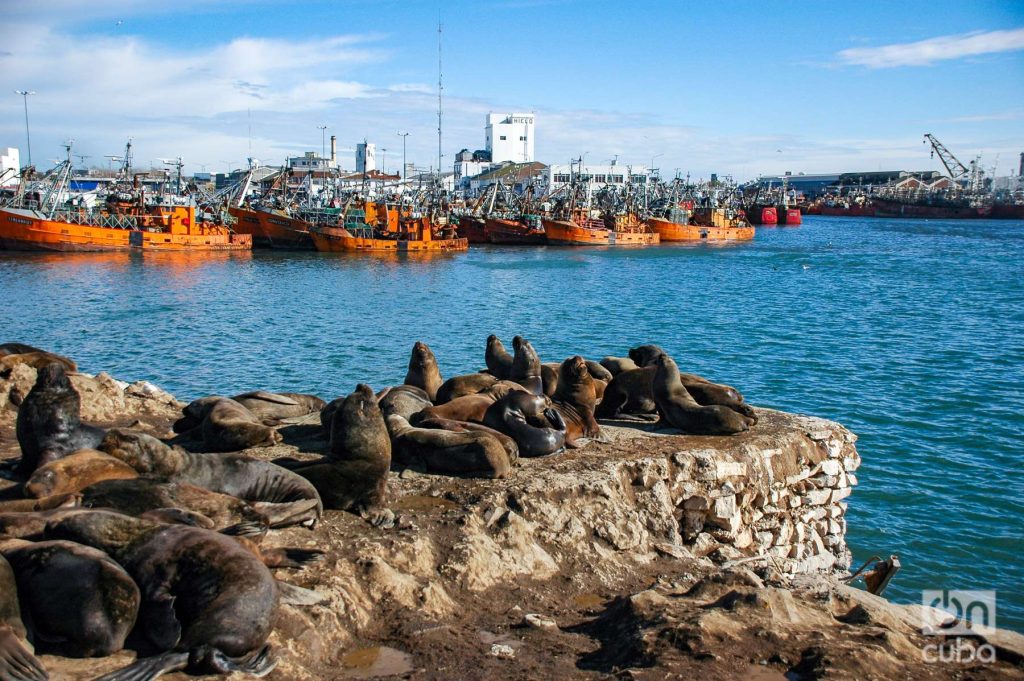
(910, 333)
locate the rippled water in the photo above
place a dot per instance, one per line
(911, 333)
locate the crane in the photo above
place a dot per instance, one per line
(954, 167)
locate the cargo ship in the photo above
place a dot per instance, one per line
(128, 220)
(676, 225)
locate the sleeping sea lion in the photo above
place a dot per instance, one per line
(465, 408)
(208, 604)
(17, 663)
(575, 397)
(499, 362)
(138, 496)
(447, 451)
(80, 602)
(679, 410)
(354, 475)
(404, 400)
(617, 365)
(36, 360)
(280, 494)
(423, 371)
(526, 367)
(224, 425)
(268, 406)
(49, 423)
(75, 472)
(469, 384)
(528, 419)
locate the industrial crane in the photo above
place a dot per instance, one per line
(954, 167)
(958, 172)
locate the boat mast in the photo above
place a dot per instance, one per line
(440, 87)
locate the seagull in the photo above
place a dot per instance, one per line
(806, 267)
(118, 22)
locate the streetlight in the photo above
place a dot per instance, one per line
(28, 139)
(383, 160)
(323, 144)
(652, 162)
(403, 135)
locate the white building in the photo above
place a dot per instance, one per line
(309, 162)
(10, 167)
(510, 137)
(598, 176)
(366, 157)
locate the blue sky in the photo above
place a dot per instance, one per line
(732, 88)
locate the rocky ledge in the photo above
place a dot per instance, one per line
(649, 555)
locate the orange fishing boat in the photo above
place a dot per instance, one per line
(158, 228)
(582, 229)
(677, 226)
(272, 228)
(368, 230)
(527, 230)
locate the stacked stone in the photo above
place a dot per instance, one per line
(732, 506)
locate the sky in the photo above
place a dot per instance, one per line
(735, 88)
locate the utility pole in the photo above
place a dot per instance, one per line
(440, 88)
(403, 135)
(28, 138)
(323, 143)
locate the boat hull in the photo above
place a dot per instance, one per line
(788, 217)
(565, 233)
(26, 230)
(763, 215)
(336, 240)
(472, 229)
(271, 230)
(673, 232)
(513, 232)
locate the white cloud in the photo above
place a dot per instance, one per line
(926, 52)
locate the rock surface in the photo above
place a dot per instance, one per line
(648, 556)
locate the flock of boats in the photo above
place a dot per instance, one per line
(45, 215)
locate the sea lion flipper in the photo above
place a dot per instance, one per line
(267, 397)
(290, 557)
(160, 622)
(383, 518)
(291, 513)
(16, 661)
(149, 668)
(297, 595)
(259, 664)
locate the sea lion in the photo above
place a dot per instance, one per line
(618, 365)
(510, 446)
(526, 367)
(354, 474)
(469, 384)
(268, 406)
(139, 496)
(224, 425)
(575, 397)
(448, 452)
(43, 504)
(208, 603)
(599, 387)
(404, 400)
(423, 371)
(680, 410)
(465, 408)
(49, 423)
(80, 602)
(75, 472)
(17, 663)
(36, 360)
(499, 362)
(536, 427)
(629, 392)
(549, 376)
(644, 355)
(280, 494)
